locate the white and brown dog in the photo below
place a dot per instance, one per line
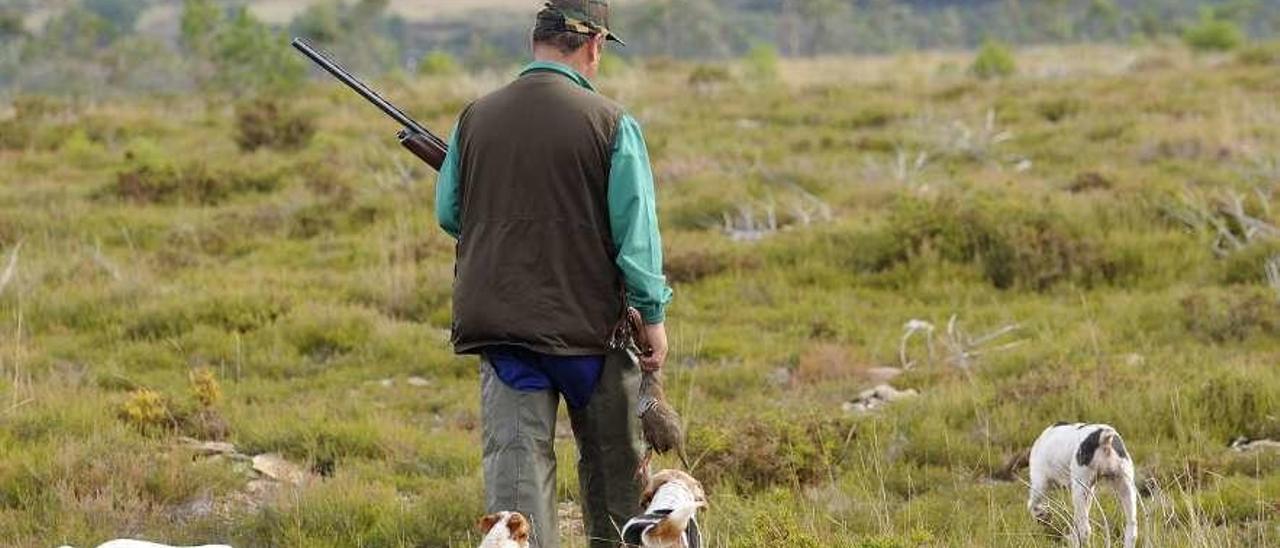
(504, 530)
(131, 543)
(671, 500)
(1078, 456)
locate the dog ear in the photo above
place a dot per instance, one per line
(486, 523)
(518, 527)
(1107, 441)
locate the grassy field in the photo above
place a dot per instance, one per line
(157, 281)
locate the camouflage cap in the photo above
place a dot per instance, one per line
(580, 16)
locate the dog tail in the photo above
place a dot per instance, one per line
(1016, 462)
(672, 528)
(1114, 445)
(1107, 441)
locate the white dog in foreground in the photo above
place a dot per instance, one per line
(1078, 456)
(130, 543)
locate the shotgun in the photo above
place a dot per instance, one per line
(415, 137)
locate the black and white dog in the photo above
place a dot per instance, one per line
(1078, 456)
(670, 500)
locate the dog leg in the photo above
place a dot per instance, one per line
(1036, 502)
(1082, 500)
(1127, 492)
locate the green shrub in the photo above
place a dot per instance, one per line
(994, 60)
(245, 53)
(1237, 500)
(318, 440)
(438, 63)
(612, 65)
(191, 183)
(1237, 403)
(80, 150)
(1248, 265)
(146, 410)
(701, 214)
(1257, 464)
(242, 313)
(30, 121)
(11, 25)
(143, 151)
(1213, 35)
(1059, 109)
(709, 75)
(371, 512)
(1015, 247)
(14, 134)
(762, 63)
(1090, 181)
(205, 387)
(271, 123)
(769, 451)
(694, 265)
(322, 333)
(1260, 55)
(1234, 316)
(158, 323)
(870, 251)
(780, 527)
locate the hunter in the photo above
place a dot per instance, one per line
(548, 190)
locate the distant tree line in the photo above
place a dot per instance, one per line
(92, 46)
(682, 28)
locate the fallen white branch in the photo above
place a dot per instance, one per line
(962, 349)
(1273, 273)
(106, 264)
(911, 328)
(1232, 227)
(965, 350)
(10, 269)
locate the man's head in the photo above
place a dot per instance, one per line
(573, 32)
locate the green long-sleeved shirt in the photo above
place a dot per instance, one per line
(633, 215)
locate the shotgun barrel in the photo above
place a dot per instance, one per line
(415, 137)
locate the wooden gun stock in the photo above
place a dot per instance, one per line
(425, 148)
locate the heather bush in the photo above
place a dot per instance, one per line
(272, 123)
(994, 60)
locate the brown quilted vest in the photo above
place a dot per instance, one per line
(535, 259)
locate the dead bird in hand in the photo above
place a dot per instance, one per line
(659, 421)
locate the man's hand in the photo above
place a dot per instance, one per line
(657, 335)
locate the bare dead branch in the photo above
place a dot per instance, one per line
(1273, 273)
(103, 262)
(964, 350)
(11, 268)
(911, 328)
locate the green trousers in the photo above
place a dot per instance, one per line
(520, 460)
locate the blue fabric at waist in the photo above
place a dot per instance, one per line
(574, 377)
